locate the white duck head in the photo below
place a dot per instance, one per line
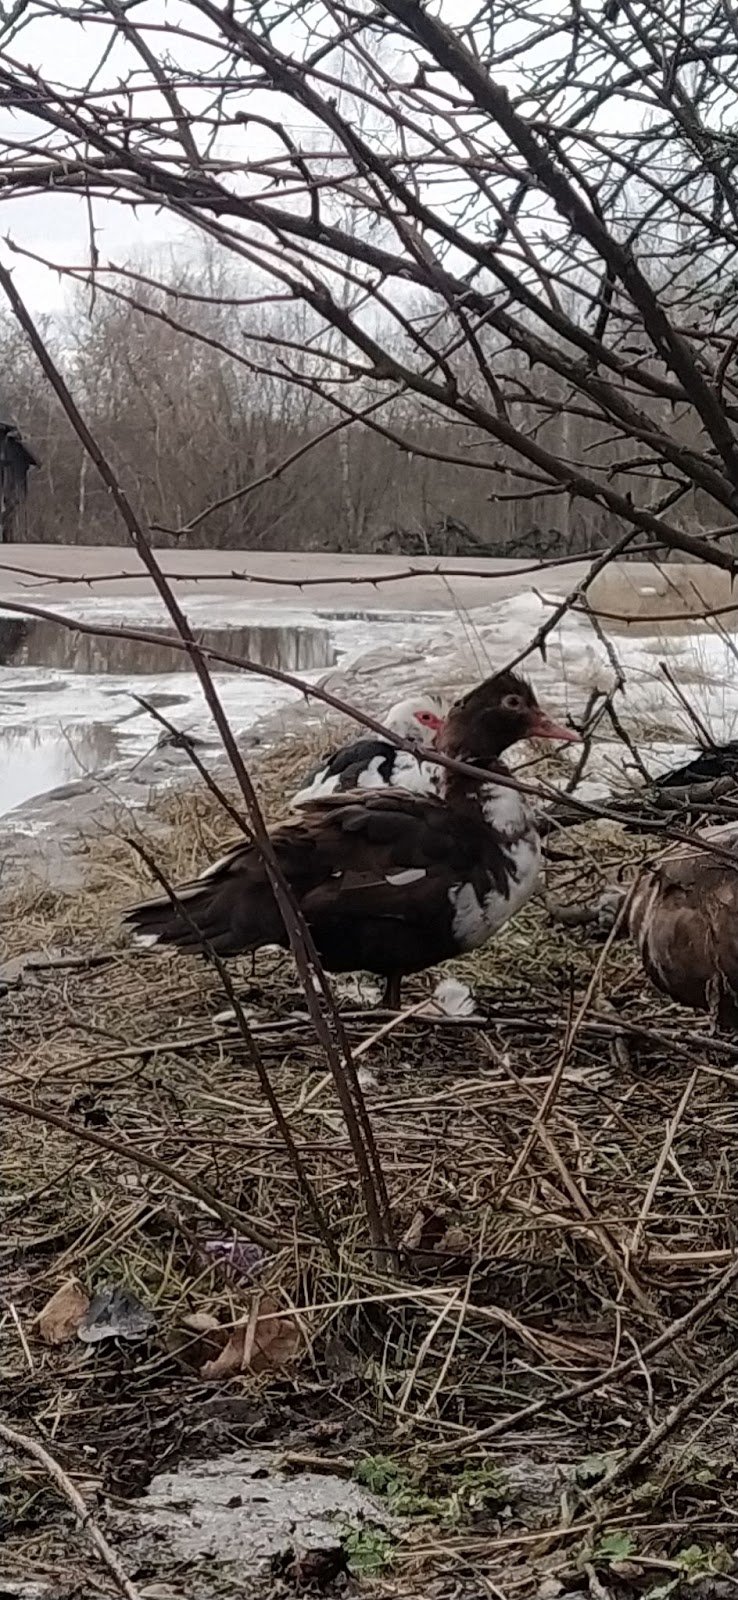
(417, 720)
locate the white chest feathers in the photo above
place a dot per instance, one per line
(476, 919)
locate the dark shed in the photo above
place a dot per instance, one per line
(16, 460)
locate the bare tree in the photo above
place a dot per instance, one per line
(513, 244)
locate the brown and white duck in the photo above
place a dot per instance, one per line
(683, 917)
(376, 763)
(389, 882)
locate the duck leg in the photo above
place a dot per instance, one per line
(392, 991)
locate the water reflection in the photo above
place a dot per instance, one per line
(37, 643)
(35, 760)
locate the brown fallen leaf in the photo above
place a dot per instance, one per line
(63, 1313)
(629, 1571)
(264, 1341)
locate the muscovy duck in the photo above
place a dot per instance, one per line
(376, 763)
(683, 918)
(388, 882)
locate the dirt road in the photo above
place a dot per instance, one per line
(343, 583)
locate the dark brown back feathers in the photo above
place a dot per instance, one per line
(684, 920)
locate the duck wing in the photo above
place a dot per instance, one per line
(684, 920)
(386, 854)
(367, 764)
(344, 769)
(412, 882)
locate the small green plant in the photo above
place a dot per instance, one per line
(474, 1491)
(695, 1562)
(614, 1546)
(413, 1490)
(369, 1550)
(381, 1474)
(698, 1561)
(591, 1469)
(401, 1487)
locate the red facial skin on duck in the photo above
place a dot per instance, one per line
(428, 719)
(496, 715)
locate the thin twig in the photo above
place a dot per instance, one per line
(31, 1447)
(650, 1195)
(655, 1439)
(622, 1369)
(230, 1215)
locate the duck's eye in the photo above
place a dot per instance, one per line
(512, 702)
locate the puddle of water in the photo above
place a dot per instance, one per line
(31, 642)
(36, 760)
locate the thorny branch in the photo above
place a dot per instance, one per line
(336, 1046)
(514, 248)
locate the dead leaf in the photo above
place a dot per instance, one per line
(115, 1313)
(63, 1313)
(232, 1358)
(196, 1339)
(629, 1571)
(266, 1340)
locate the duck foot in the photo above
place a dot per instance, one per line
(391, 999)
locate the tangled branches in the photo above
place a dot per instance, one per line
(527, 224)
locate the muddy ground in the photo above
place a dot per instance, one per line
(532, 1393)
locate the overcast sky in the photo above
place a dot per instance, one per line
(56, 225)
(72, 56)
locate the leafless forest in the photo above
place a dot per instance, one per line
(187, 425)
(438, 289)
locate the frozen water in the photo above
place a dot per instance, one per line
(46, 712)
(36, 760)
(379, 657)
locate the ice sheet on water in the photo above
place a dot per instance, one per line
(49, 699)
(32, 765)
(386, 654)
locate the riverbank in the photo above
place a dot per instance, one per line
(341, 584)
(539, 1256)
(535, 1269)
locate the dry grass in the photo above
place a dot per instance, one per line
(568, 1218)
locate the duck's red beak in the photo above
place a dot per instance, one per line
(541, 727)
